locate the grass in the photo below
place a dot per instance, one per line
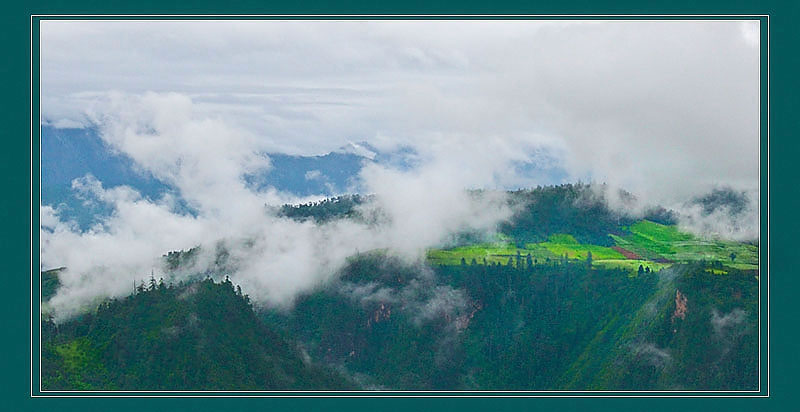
(630, 264)
(556, 247)
(716, 271)
(653, 241)
(75, 353)
(656, 245)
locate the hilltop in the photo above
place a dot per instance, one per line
(567, 294)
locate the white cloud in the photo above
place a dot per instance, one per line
(313, 175)
(751, 32)
(272, 258)
(640, 104)
(666, 109)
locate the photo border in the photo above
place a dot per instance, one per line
(35, 111)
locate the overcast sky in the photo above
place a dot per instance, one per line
(665, 109)
(637, 103)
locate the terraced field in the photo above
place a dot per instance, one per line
(645, 243)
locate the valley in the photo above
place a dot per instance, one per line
(587, 299)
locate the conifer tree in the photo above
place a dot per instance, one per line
(152, 280)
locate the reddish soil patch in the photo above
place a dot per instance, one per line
(627, 253)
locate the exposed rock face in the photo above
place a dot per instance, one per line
(383, 313)
(681, 307)
(462, 322)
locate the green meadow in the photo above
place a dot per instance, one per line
(645, 243)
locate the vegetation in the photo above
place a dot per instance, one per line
(562, 325)
(200, 336)
(571, 208)
(642, 243)
(723, 198)
(50, 283)
(340, 207)
(568, 295)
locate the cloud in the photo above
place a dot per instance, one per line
(735, 221)
(665, 109)
(205, 161)
(729, 322)
(652, 354)
(751, 32)
(313, 175)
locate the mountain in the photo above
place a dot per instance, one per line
(198, 336)
(569, 295)
(722, 199)
(557, 326)
(69, 154)
(328, 175)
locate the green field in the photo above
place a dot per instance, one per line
(650, 244)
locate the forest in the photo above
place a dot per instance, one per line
(569, 295)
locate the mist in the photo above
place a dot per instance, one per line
(667, 110)
(272, 258)
(664, 109)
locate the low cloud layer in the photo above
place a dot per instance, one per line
(665, 109)
(739, 221)
(273, 258)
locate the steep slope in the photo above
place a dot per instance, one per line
(201, 336)
(516, 326)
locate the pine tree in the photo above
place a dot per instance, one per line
(152, 280)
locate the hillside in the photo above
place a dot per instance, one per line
(567, 295)
(561, 325)
(200, 336)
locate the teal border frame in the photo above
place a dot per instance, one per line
(21, 185)
(36, 290)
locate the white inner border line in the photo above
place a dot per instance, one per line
(378, 394)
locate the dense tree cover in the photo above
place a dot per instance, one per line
(339, 207)
(199, 336)
(556, 325)
(725, 199)
(576, 209)
(180, 258)
(50, 283)
(527, 324)
(705, 337)
(385, 324)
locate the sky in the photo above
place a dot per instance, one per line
(665, 109)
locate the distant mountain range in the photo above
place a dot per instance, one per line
(68, 154)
